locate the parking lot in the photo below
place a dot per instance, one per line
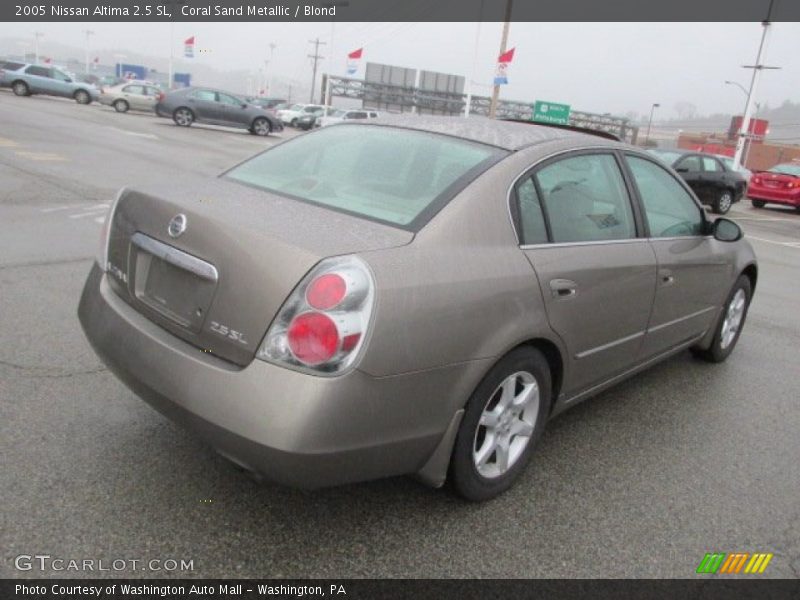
(641, 481)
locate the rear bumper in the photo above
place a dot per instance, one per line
(791, 198)
(293, 428)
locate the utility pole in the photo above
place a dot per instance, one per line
(267, 73)
(36, 36)
(88, 33)
(471, 80)
(317, 57)
(650, 122)
(503, 43)
(744, 129)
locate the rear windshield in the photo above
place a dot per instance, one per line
(387, 174)
(786, 169)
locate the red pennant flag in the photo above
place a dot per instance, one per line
(356, 54)
(189, 41)
(48, 60)
(96, 59)
(506, 57)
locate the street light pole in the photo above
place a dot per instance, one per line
(88, 33)
(36, 36)
(650, 122)
(744, 129)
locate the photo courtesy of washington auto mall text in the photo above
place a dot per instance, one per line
(403, 299)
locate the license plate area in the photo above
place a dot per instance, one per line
(175, 284)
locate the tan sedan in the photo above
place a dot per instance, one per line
(131, 96)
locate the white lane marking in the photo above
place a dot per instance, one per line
(149, 136)
(74, 207)
(763, 218)
(41, 156)
(785, 244)
(93, 213)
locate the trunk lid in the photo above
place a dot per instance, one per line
(219, 284)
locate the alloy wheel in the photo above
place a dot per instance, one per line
(733, 318)
(506, 425)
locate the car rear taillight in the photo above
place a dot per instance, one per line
(161, 96)
(790, 184)
(105, 233)
(322, 325)
(757, 180)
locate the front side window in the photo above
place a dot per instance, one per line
(60, 76)
(586, 200)
(690, 164)
(669, 209)
(226, 99)
(134, 89)
(391, 175)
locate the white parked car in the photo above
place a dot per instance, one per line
(293, 114)
(347, 115)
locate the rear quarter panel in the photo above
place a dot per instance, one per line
(462, 290)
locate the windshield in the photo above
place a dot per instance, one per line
(786, 169)
(338, 113)
(390, 175)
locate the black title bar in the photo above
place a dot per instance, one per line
(394, 10)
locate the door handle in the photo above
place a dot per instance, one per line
(665, 277)
(563, 288)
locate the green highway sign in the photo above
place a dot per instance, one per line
(550, 112)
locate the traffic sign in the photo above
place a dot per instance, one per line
(550, 112)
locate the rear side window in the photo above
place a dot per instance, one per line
(38, 71)
(690, 164)
(204, 95)
(392, 175)
(668, 207)
(710, 165)
(11, 66)
(133, 89)
(531, 219)
(586, 200)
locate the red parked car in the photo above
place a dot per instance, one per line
(779, 185)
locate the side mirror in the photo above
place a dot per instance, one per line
(726, 230)
(244, 105)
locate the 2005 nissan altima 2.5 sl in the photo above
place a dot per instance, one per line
(409, 296)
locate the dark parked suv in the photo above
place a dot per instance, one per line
(215, 107)
(714, 183)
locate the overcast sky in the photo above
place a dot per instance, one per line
(596, 67)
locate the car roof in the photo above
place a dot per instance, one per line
(509, 135)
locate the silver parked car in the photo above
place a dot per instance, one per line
(205, 105)
(409, 296)
(132, 95)
(27, 79)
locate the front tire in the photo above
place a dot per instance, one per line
(730, 324)
(758, 203)
(183, 117)
(82, 97)
(504, 418)
(261, 127)
(293, 123)
(723, 202)
(21, 88)
(121, 106)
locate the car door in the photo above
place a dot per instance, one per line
(37, 78)
(694, 269)
(205, 106)
(61, 84)
(133, 94)
(690, 168)
(714, 178)
(231, 110)
(597, 273)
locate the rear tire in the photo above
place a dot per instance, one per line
(758, 203)
(183, 117)
(121, 106)
(82, 97)
(20, 88)
(731, 323)
(723, 202)
(504, 418)
(293, 123)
